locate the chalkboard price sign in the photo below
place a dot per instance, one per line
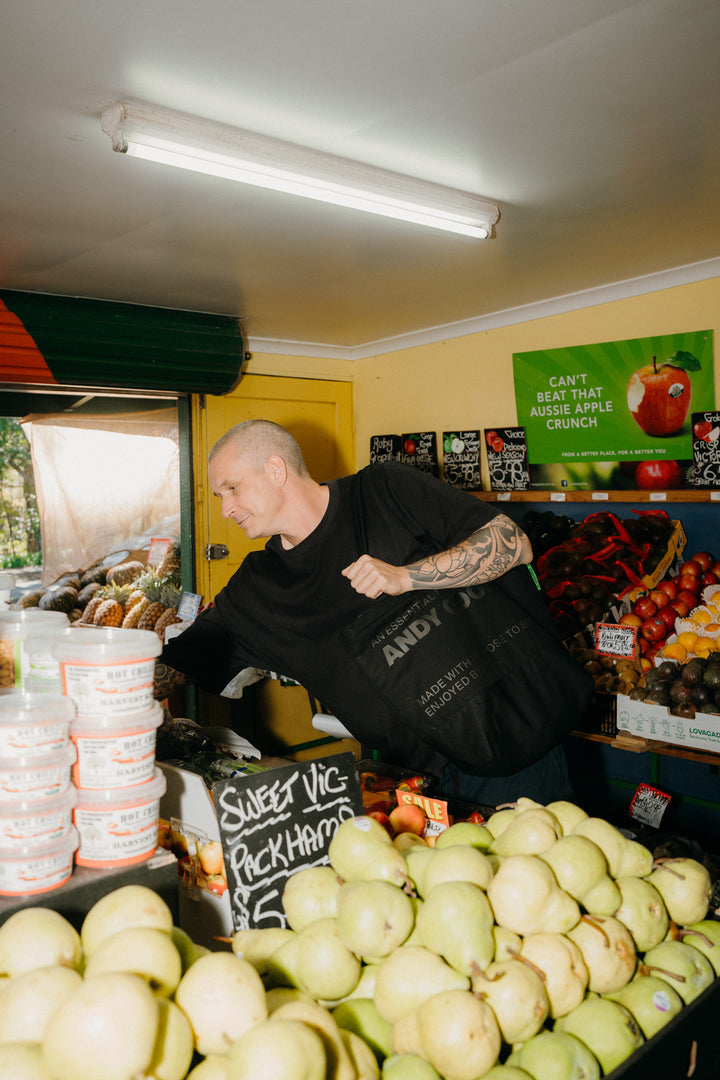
(706, 449)
(507, 459)
(277, 822)
(461, 459)
(419, 448)
(385, 448)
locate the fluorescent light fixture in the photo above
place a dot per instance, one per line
(188, 142)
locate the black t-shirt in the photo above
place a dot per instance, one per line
(284, 610)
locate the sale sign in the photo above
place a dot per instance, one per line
(613, 404)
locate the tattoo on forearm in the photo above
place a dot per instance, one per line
(487, 553)
(167, 679)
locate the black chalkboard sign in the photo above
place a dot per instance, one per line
(461, 459)
(706, 449)
(385, 448)
(507, 459)
(419, 448)
(276, 822)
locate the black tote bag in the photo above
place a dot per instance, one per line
(478, 673)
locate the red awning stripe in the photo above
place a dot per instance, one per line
(20, 359)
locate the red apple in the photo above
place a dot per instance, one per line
(211, 857)
(643, 645)
(716, 568)
(669, 587)
(408, 817)
(659, 476)
(658, 597)
(630, 619)
(383, 820)
(668, 615)
(689, 583)
(683, 603)
(654, 628)
(704, 559)
(690, 566)
(710, 578)
(659, 398)
(644, 607)
(410, 446)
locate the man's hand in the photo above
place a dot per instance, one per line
(373, 578)
(166, 680)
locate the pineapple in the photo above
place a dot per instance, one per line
(134, 613)
(151, 584)
(111, 610)
(88, 615)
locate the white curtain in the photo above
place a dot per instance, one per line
(104, 484)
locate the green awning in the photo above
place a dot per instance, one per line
(59, 341)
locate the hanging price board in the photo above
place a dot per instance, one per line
(385, 448)
(706, 449)
(419, 449)
(461, 459)
(507, 459)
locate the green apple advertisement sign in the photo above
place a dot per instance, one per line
(593, 412)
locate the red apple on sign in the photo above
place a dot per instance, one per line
(497, 444)
(489, 436)
(702, 429)
(654, 628)
(659, 476)
(410, 446)
(658, 396)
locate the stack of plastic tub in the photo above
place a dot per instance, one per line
(17, 625)
(109, 676)
(37, 837)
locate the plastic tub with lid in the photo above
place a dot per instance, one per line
(35, 823)
(119, 828)
(32, 869)
(33, 724)
(28, 777)
(15, 626)
(115, 751)
(107, 671)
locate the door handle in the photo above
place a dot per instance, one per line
(216, 551)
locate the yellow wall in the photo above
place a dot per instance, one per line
(467, 382)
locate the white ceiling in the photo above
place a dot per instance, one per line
(593, 124)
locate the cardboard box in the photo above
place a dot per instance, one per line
(657, 723)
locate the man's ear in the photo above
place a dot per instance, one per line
(277, 469)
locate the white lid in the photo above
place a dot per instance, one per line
(24, 707)
(87, 645)
(66, 756)
(105, 798)
(66, 844)
(137, 721)
(65, 800)
(22, 620)
(40, 639)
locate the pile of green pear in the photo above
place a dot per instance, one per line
(542, 945)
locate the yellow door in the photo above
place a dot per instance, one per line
(317, 412)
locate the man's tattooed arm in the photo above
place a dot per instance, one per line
(488, 553)
(167, 679)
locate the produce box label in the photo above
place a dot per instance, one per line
(657, 723)
(461, 459)
(277, 822)
(706, 449)
(507, 459)
(420, 450)
(385, 448)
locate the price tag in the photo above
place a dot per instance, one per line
(436, 811)
(648, 805)
(189, 606)
(502, 496)
(557, 496)
(658, 496)
(600, 496)
(615, 639)
(159, 548)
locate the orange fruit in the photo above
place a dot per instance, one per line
(712, 628)
(687, 638)
(675, 651)
(701, 616)
(704, 646)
